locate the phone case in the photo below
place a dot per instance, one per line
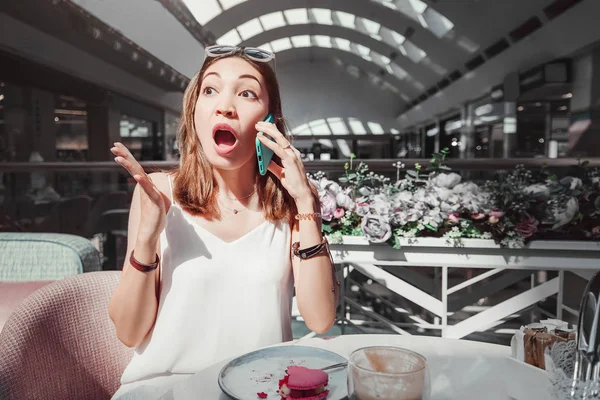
(263, 153)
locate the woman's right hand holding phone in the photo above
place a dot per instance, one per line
(153, 203)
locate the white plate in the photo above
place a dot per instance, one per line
(261, 370)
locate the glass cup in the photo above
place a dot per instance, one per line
(387, 373)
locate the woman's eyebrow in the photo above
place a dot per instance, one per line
(250, 76)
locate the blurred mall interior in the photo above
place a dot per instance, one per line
(497, 83)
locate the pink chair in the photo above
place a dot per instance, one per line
(61, 344)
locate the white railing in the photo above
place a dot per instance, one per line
(582, 258)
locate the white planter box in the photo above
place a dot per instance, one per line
(471, 253)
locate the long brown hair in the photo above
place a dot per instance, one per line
(194, 184)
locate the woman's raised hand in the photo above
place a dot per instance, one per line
(153, 203)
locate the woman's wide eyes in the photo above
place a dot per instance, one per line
(208, 90)
(249, 93)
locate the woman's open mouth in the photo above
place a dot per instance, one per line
(225, 138)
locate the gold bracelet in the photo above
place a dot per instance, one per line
(305, 216)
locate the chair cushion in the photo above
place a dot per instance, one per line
(45, 256)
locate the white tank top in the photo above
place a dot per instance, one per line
(217, 299)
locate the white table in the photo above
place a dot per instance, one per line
(459, 369)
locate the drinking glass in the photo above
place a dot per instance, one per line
(387, 373)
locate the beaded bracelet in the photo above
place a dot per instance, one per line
(305, 216)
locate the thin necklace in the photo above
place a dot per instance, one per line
(238, 198)
(235, 210)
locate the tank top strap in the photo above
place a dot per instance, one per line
(170, 178)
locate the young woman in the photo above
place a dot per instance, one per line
(215, 249)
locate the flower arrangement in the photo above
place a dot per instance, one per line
(435, 202)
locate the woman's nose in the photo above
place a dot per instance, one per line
(227, 110)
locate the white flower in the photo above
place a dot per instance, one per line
(447, 180)
(537, 190)
(466, 187)
(403, 196)
(376, 228)
(365, 191)
(573, 183)
(380, 204)
(334, 188)
(345, 201)
(563, 218)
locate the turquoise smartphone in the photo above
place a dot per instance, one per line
(263, 153)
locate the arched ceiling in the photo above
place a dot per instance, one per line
(238, 13)
(335, 23)
(418, 49)
(293, 48)
(401, 45)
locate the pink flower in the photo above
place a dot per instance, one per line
(478, 216)
(493, 220)
(453, 218)
(497, 214)
(328, 206)
(338, 213)
(527, 227)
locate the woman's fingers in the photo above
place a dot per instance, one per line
(276, 170)
(148, 187)
(126, 159)
(272, 131)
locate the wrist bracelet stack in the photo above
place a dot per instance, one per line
(143, 267)
(313, 251)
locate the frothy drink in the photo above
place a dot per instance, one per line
(387, 374)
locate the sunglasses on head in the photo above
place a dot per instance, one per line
(253, 53)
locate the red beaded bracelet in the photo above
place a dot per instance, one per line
(143, 267)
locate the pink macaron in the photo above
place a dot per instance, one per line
(304, 384)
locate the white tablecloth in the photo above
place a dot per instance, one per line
(459, 369)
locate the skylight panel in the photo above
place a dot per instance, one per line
(341, 43)
(343, 19)
(375, 128)
(361, 50)
(392, 38)
(281, 44)
(320, 16)
(232, 37)
(387, 3)
(204, 10)
(301, 41)
(337, 126)
(273, 20)
(301, 130)
(250, 29)
(227, 4)
(371, 27)
(411, 51)
(398, 72)
(319, 127)
(356, 126)
(436, 22)
(322, 40)
(296, 16)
